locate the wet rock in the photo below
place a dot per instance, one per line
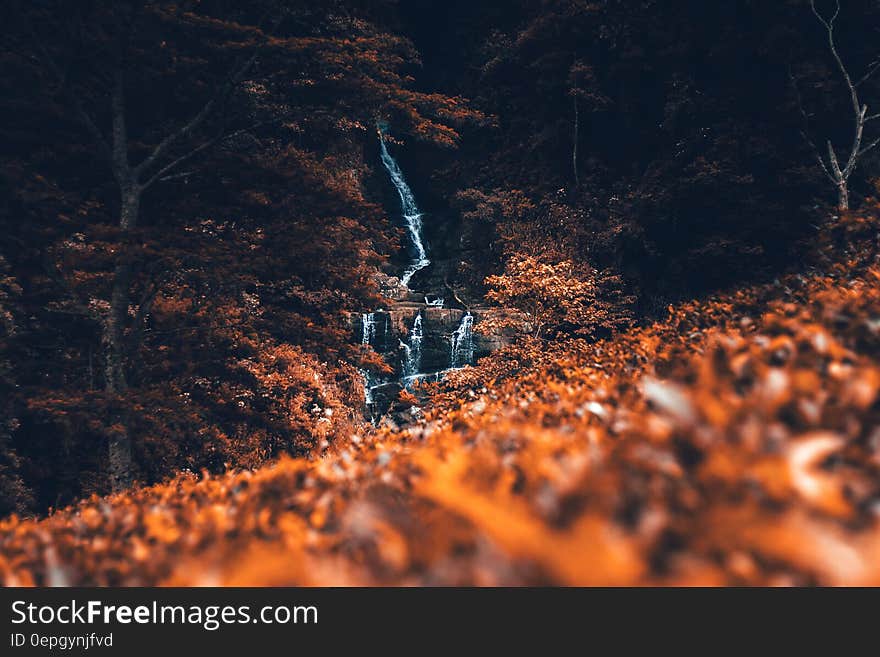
(388, 330)
(392, 288)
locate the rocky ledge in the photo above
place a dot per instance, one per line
(420, 350)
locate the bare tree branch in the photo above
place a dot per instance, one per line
(119, 142)
(235, 76)
(835, 165)
(840, 176)
(819, 158)
(66, 89)
(806, 119)
(223, 136)
(873, 68)
(829, 24)
(175, 176)
(867, 148)
(857, 140)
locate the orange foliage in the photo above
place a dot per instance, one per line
(733, 442)
(554, 296)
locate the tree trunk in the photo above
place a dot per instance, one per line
(574, 148)
(114, 330)
(113, 340)
(131, 205)
(843, 196)
(119, 456)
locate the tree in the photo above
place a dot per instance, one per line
(687, 182)
(583, 88)
(837, 174)
(157, 85)
(114, 28)
(556, 297)
(14, 495)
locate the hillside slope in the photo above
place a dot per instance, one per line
(734, 442)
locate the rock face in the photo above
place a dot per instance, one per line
(416, 335)
(421, 342)
(392, 288)
(392, 326)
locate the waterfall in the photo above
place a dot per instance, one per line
(368, 328)
(406, 361)
(369, 397)
(424, 377)
(415, 341)
(368, 388)
(380, 391)
(461, 350)
(368, 337)
(413, 349)
(412, 217)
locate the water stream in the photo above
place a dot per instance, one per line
(413, 349)
(375, 325)
(412, 216)
(368, 328)
(461, 343)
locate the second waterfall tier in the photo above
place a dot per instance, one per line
(422, 343)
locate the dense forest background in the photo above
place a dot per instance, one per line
(191, 200)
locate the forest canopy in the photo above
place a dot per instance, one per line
(328, 231)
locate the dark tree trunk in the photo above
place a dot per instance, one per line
(574, 148)
(114, 330)
(843, 196)
(132, 181)
(119, 454)
(131, 205)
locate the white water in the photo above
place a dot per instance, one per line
(368, 388)
(461, 341)
(368, 335)
(412, 217)
(461, 355)
(427, 377)
(461, 351)
(368, 328)
(412, 360)
(406, 368)
(369, 397)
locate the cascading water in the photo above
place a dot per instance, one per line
(368, 328)
(424, 377)
(369, 397)
(461, 351)
(412, 349)
(369, 323)
(416, 349)
(424, 341)
(368, 389)
(412, 217)
(406, 361)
